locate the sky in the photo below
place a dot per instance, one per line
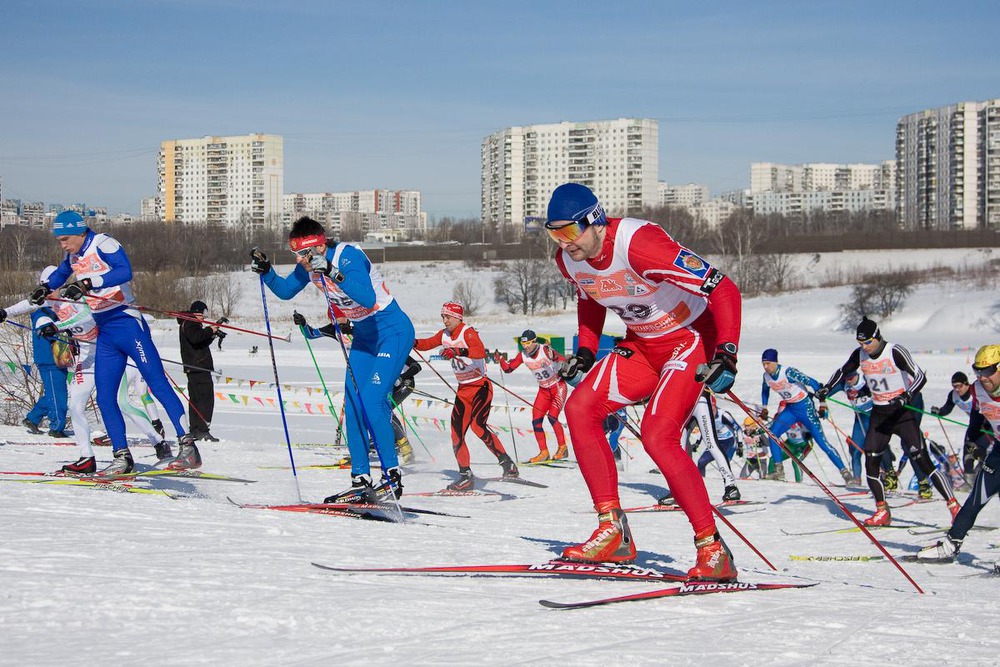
(400, 95)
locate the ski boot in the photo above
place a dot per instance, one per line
(122, 464)
(540, 457)
(848, 476)
(207, 436)
(779, 473)
(610, 543)
(31, 426)
(188, 456)
(465, 481)
(163, 451)
(731, 494)
(890, 479)
(882, 516)
(509, 467)
(405, 451)
(954, 507)
(158, 427)
(85, 465)
(667, 500)
(360, 492)
(561, 453)
(924, 489)
(943, 550)
(391, 486)
(57, 434)
(715, 560)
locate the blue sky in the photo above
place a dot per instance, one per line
(376, 94)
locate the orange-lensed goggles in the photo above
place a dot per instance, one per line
(574, 229)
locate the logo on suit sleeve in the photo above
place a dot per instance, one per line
(691, 263)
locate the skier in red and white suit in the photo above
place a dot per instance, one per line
(545, 363)
(679, 313)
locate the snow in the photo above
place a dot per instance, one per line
(91, 576)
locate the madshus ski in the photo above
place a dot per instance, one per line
(98, 485)
(448, 493)
(840, 559)
(323, 508)
(97, 477)
(677, 508)
(687, 588)
(515, 480)
(558, 568)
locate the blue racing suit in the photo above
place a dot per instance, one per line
(798, 408)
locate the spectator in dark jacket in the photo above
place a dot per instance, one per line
(196, 354)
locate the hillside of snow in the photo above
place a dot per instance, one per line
(95, 576)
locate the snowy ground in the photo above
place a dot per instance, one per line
(88, 576)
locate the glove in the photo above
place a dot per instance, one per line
(259, 263)
(319, 264)
(822, 393)
(763, 414)
(37, 297)
(935, 410)
(338, 277)
(49, 330)
(720, 373)
(901, 400)
(578, 364)
(346, 327)
(76, 291)
(220, 334)
(824, 411)
(3, 315)
(299, 319)
(452, 352)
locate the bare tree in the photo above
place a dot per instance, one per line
(465, 293)
(879, 295)
(522, 288)
(18, 387)
(223, 293)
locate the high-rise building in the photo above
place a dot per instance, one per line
(821, 177)
(686, 196)
(948, 167)
(521, 166)
(222, 180)
(364, 211)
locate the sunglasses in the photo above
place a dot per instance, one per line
(868, 341)
(574, 229)
(305, 252)
(985, 372)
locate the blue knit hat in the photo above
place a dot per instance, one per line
(770, 354)
(572, 201)
(69, 223)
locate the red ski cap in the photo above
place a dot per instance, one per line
(454, 309)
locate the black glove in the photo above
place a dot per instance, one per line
(259, 263)
(220, 334)
(299, 319)
(720, 373)
(76, 291)
(822, 393)
(935, 410)
(577, 364)
(37, 297)
(49, 330)
(901, 400)
(3, 315)
(346, 328)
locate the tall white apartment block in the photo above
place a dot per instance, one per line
(686, 196)
(222, 180)
(521, 166)
(370, 211)
(948, 167)
(821, 177)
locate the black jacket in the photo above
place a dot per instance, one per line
(196, 346)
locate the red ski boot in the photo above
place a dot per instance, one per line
(715, 560)
(610, 543)
(882, 516)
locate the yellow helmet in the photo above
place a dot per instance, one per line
(988, 355)
(749, 422)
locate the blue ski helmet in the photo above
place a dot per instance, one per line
(572, 201)
(68, 223)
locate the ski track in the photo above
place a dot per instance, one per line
(89, 576)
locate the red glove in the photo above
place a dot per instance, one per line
(449, 353)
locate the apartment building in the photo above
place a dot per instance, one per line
(221, 180)
(686, 196)
(387, 214)
(948, 167)
(521, 166)
(797, 190)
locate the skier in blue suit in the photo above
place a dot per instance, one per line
(793, 386)
(383, 337)
(103, 278)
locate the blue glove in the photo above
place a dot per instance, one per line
(720, 373)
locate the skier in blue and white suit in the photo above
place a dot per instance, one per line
(792, 385)
(103, 278)
(383, 337)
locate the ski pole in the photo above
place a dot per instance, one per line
(277, 385)
(833, 497)
(326, 392)
(840, 441)
(850, 440)
(510, 421)
(430, 366)
(412, 427)
(432, 396)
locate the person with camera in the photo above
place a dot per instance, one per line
(196, 355)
